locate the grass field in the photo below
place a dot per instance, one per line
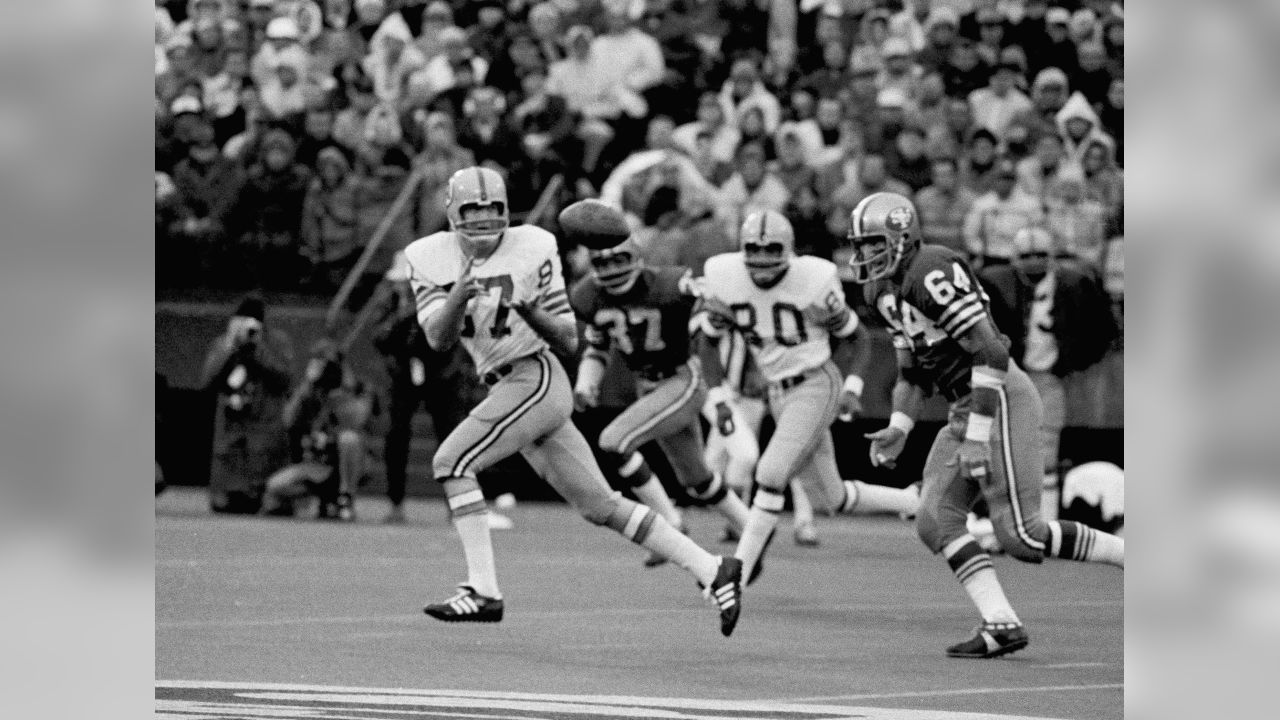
(306, 619)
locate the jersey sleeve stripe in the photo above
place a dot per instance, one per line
(555, 307)
(965, 320)
(955, 306)
(556, 295)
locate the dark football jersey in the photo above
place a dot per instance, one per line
(937, 300)
(649, 324)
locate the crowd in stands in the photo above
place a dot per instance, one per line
(287, 129)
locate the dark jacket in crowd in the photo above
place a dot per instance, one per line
(1084, 327)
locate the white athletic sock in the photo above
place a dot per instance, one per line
(761, 521)
(473, 528)
(675, 546)
(863, 497)
(1076, 541)
(800, 504)
(655, 496)
(734, 510)
(977, 576)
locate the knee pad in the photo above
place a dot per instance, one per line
(1017, 546)
(611, 439)
(935, 532)
(599, 511)
(770, 474)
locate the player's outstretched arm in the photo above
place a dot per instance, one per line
(444, 326)
(908, 397)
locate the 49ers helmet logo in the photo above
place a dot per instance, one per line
(899, 218)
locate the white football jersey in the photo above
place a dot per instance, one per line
(524, 267)
(787, 326)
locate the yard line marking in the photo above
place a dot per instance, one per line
(279, 700)
(1078, 664)
(405, 617)
(943, 693)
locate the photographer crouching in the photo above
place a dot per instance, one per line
(328, 417)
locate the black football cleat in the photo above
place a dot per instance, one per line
(726, 590)
(993, 639)
(467, 606)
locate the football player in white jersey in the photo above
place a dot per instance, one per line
(788, 307)
(500, 291)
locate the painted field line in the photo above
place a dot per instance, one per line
(947, 693)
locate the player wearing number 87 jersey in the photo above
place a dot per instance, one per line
(644, 312)
(937, 314)
(500, 291)
(788, 308)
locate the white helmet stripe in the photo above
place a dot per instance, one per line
(484, 194)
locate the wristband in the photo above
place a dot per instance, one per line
(978, 428)
(719, 394)
(853, 384)
(902, 421)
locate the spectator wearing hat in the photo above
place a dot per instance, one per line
(267, 216)
(175, 129)
(1048, 95)
(752, 188)
(287, 93)
(1078, 221)
(744, 90)
(997, 104)
(486, 131)
(944, 204)
(1084, 27)
(1057, 50)
(281, 47)
(1103, 181)
(392, 59)
(435, 17)
(941, 29)
(1079, 126)
(440, 158)
(997, 216)
(207, 185)
(248, 370)
(1058, 319)
(723, 137)
(899, 69)
(331, 243)
(892, 110)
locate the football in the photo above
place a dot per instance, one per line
(594, 224)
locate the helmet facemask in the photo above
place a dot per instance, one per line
(766, 262)
(875, 256)
(481, 225)
(615, 269)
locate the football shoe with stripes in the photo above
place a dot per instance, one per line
(993, 639)
(466, 606)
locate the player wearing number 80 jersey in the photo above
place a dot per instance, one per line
(788, 308)
(499, 290)
(945, 342)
